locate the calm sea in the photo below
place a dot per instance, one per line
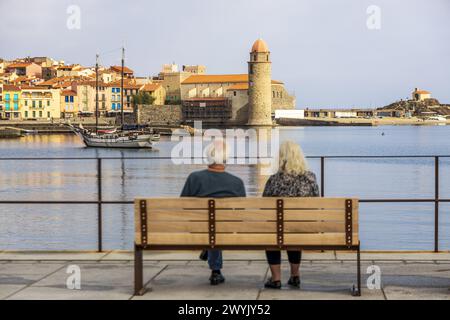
(383, 226)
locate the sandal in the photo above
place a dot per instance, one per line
(294, 281)
(270, 284)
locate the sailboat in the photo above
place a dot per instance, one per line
(112, 138)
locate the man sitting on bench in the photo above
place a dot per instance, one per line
(214, 182)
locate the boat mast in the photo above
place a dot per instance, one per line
(121, 88)
(96, 93)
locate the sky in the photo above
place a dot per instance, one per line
(328, 53)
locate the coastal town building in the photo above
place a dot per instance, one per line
(157, 91)
(420, 95)
(127, 72)
(40, 104)
(194, 69)
(24, 69)
(69, 107)
(236, 99)
(86, 93)
(11, 102)
(1, 102)
(339, 113)
(42, 61)
(130, 88)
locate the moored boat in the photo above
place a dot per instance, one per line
(114, 140)
(112, 137)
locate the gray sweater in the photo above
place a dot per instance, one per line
(207, 183)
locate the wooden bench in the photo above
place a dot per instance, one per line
(245, 224)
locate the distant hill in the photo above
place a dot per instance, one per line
(418, 108)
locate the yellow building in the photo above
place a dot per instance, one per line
(69, 104)
(11, 102)
(40, 104)
(86, 97)
(157, 91)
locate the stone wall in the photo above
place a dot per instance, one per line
(281, 98)
(159, 115)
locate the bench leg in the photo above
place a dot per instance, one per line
(357, 291)
(139, 289)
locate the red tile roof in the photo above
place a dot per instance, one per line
(119, 69)
(18, 65)
(151, 87)
(220, 78)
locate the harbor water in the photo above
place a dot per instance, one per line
(383, 226)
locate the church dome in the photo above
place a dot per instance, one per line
(260, 46)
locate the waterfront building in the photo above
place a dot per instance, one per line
(227, 98)
(86, 91)
(11, 102)
(420, 95)
(69, 104)
(1, 102)
(339, 113)
(43, 61)
(74, 70)
(127, 72)
(130, 88)
(113, 96)
(157, 91)
(2, 65)
(40, 103)
(171, 80)
(194, 69)
(390, 113)
(24, 69)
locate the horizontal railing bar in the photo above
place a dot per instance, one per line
(131, 202)
(193, 158)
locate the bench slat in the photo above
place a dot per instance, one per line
(249, 203)
(247, 227)
(245, 215)
(243, 239)
(318, 239)
(178, 238)
(177, 215)
(289, 203)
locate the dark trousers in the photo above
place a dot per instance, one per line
(274, 257)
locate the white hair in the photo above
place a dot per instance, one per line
(216, 152)
(291, 158)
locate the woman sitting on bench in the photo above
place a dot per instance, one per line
(292, 180)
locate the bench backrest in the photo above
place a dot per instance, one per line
(246, 222)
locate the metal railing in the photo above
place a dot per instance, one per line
(100, 201)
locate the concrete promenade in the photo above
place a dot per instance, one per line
(180, 275)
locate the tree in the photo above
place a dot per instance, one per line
(143, 98)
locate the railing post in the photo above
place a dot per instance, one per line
(436, 204)
(322, 176)
(99, 204)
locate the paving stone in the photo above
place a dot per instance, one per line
(177, 282)
(414, 293)
(98, 281)
(17, 276)
(177, 277)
